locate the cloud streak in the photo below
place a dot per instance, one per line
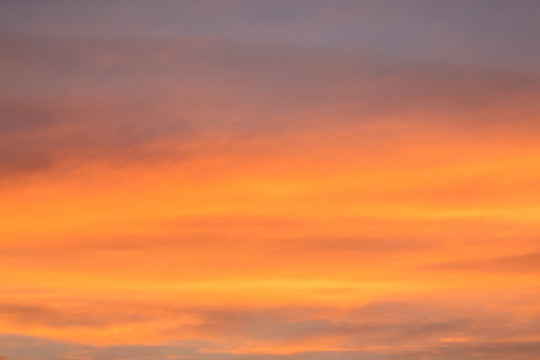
(269, 180)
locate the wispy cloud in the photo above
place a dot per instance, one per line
(269, 180)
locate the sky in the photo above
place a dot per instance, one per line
(270, 180)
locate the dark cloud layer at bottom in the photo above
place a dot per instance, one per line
(24, 347)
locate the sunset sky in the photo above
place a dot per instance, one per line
(270, 180)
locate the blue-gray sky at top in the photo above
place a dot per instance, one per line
(493, 33)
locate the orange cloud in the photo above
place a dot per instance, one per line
(203, 199)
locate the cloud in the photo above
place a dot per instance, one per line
(64, 316)
(124, 102)
(417, 29)
(379, 324)
(208, 195)
(483, 350)
(393, 329)
(21, 347)
(524, 263)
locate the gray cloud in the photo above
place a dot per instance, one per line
(24, 347)
(385, 324)
(65, 316)
(486, 32)
(386, 330)
(65, 103)
(525, 263)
